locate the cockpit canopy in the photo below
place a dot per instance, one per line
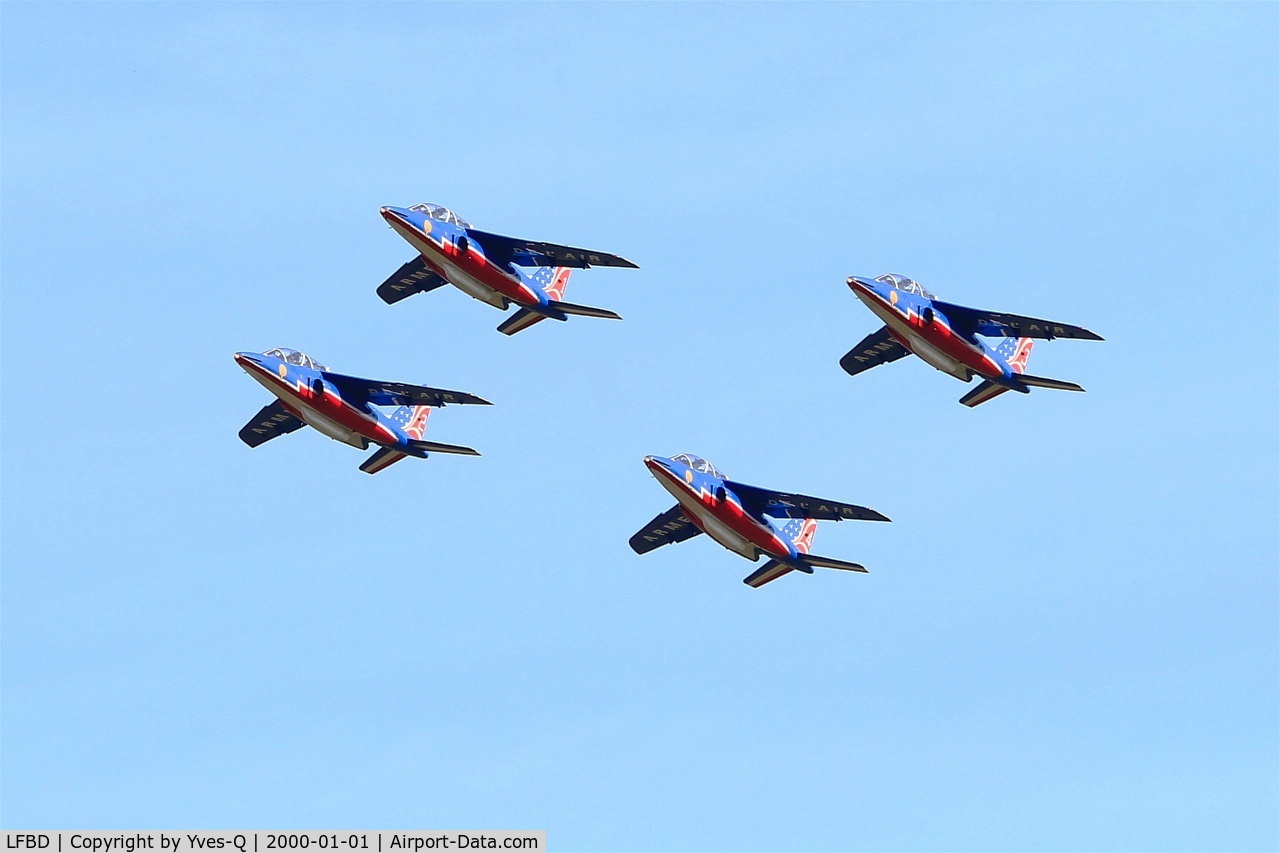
(292, 356)
(906, 285)
(698, 464)
(441, 214)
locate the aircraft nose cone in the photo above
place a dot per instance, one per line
(654, 463)
(249, 360)
(855, 282)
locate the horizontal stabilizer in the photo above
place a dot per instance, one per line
(584, 310)
(986, 390)
(519, 321)
(770, 571)
(381, 459)
(828, 563)
(1042, 382)
(437, 447)
(413, 277)
(670, 526)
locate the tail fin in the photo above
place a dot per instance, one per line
(559, 281)
(412, 419)
(1015, 351)
(799, 531)
(552, 280)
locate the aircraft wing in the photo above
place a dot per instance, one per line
(413, 277)
(398, 393)
(877, 348)
(670, 526)
(995, 324)
(787, 505)
(532, 253)
(273, 420)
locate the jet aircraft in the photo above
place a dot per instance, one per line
(343, 408)
(945, 336)
(486, 266)
(737, 516)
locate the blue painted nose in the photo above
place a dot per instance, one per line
(652, 462)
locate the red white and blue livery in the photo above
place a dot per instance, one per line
(738, 517)
(949, 338)
(345, 408)
(488, 267)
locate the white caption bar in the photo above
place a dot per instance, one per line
(272, 841)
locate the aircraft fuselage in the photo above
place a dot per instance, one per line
(718, 512)
(319, 404)
(925, 331)
(460, 261)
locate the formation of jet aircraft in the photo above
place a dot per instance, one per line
(740, 517)
(737, 516)
(345, 408)
(487, 267)
(946, 336)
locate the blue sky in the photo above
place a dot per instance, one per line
(1068, 639)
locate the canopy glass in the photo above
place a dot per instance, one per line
(698, 464)
(906, 285)
(292, 356)
(441, 214)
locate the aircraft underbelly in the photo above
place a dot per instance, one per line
(464, 281)
(928, 353)
(322, 424)
(749, 539)
(333, 429)
(936, 358)
(472, 286)
(724, 534)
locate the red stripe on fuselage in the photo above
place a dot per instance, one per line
(732, 516)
